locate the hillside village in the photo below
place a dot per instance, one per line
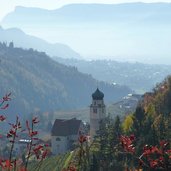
(86, 144)
(85, 87)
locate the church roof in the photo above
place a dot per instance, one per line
(63, 127)
(97, 95)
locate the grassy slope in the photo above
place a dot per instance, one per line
(55, 163)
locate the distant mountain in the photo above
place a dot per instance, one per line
(39, 83)
(140, 77)
(23, 40)
(92, 13)
(133, 31)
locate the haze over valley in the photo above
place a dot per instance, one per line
(138, 76)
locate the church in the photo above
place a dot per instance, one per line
(97, 112)
(65, 132)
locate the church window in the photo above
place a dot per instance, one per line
(95, 110)
(58, 139)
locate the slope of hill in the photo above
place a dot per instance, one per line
(151, 122)
(133, 31)
(20, 38)
(38, 82)
(56, 163)
(140, 77)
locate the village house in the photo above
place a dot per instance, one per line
(64, 134)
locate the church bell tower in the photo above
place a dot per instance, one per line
(97, 112)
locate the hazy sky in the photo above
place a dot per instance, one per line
(8, 5)
(151, 40)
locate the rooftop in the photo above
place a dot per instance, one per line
(63, 127)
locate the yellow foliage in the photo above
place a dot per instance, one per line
(127, 124)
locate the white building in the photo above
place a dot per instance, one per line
(64, 133)
(97, 112)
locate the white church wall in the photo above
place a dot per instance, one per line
(59, 144)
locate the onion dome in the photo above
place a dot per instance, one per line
(97, 95)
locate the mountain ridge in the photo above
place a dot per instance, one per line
(20, 38)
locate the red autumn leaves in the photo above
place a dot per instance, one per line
(14, 128)
(30, 129)
(3, 102)
(82, 139)
(127, 143)
(70, 168)
(2, 117)
(6, 164)
(4, 105)
(152, 157)
(157, 157)
(40, 151)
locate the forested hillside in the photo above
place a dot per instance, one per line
(39, 83)
(139, 142)
(152, 119)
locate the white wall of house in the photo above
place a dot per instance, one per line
(59, 144)
(62, 144)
